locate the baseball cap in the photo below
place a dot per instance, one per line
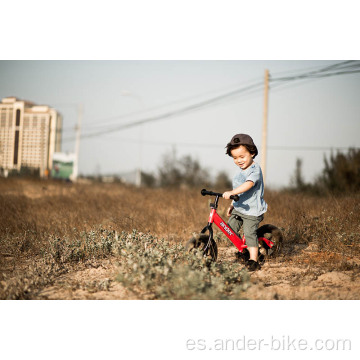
(242, 139)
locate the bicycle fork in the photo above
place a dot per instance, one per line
(226, 229)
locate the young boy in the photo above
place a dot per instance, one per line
(248, 183)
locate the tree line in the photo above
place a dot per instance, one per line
(184, 171)
(341, 174)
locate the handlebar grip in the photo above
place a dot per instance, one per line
(205, 192)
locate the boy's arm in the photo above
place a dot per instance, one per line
(229, 210)
(247, 185)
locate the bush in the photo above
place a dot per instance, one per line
(222, 182)
(162, 270)
(184, 171)
(342, 172)
(152, 268)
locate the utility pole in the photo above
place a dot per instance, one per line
(77, 143)
(265, 121)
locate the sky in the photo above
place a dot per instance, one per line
(306, 119)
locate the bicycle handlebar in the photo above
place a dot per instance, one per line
(205, 192)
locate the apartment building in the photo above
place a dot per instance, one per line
(29, 136)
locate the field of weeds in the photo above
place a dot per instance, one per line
(111, 241)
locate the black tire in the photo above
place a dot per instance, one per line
(273, 234)
(269, 232)
(200, 242)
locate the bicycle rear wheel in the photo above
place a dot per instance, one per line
(273, 234)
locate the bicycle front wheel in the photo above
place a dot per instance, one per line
(203, 243)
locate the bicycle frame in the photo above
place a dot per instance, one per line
(214, 217)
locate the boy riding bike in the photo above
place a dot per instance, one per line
(248, 183)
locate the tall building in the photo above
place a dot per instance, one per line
(29, 136)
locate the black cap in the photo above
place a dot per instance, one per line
(242, 139)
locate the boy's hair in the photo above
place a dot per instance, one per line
(244, 140)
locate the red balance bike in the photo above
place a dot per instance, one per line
(269, 236)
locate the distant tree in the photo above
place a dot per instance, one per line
(148, 179)
(222, 182)
(192, 173)
(297, 180)
(342, 172)
(184, 171)
(169, 173)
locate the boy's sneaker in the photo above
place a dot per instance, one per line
(252, 265)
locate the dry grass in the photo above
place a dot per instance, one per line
(36, 214)
(57, 208)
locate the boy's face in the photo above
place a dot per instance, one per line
(242, 157)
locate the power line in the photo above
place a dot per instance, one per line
(158, 107)
(344, 68)
(306, 76)
(170, 114)
(280, 86)
(286, 83)
(332, 70)
(247, 95)
(307, 69)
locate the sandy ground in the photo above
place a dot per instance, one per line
(88, 284)
(278, 279)
(294, 278)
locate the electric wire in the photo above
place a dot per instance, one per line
(327, 71)
(319, 68)
(321, 72)
(345, 64)
(171, 114)
(305, 76)
(97, 123)
(297, 71)
(282, 85)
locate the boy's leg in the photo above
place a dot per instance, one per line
(235, 221)
(251, 224)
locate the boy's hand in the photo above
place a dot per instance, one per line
(227, 194)
(229, 210)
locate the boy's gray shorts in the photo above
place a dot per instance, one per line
(250, 225)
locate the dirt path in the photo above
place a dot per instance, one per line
(88, 284)
(308, 275)
(302, 276)
(275, 281)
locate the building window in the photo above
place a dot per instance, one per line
(26, 122)
(16, 149)
(18, 117)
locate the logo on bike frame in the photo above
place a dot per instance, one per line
(226, 228)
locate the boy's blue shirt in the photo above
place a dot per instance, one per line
(252, 201)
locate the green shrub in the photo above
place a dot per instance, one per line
(161, 270)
